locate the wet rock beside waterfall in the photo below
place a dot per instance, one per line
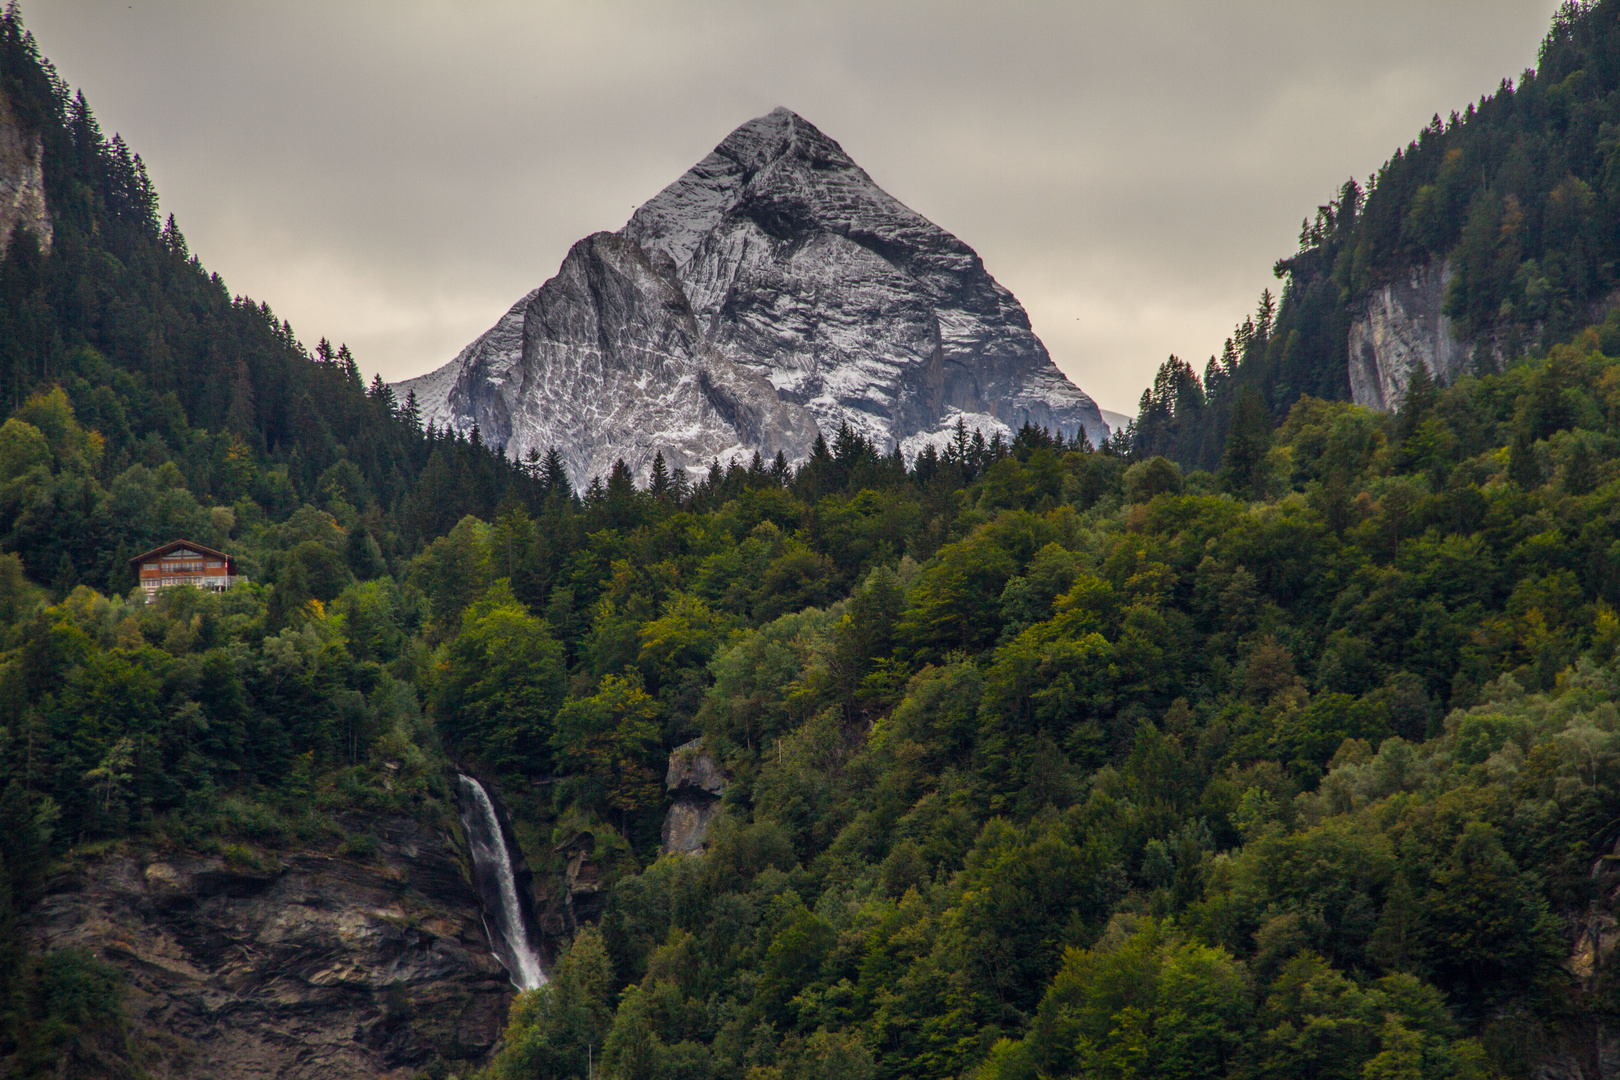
(695, 781)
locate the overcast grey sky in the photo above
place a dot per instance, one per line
(395, 175)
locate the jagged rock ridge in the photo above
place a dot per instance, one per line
(776, 290)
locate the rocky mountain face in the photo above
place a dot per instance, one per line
(772, 291)
(606, 361)
(22, 180)
(316, 964)
(1404, 326)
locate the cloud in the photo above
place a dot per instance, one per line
(396, 175)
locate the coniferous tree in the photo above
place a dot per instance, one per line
(659, 485)
(382, 394)
(1120, 442)
(1580, 475)
(927, 464)
(1242, 463)
(978, 452)
(346, 362)
(172, 239)
(1418, 403)
(554, 475)
(240, 418)
(1523, 468)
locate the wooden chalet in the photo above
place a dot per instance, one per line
(182, 562)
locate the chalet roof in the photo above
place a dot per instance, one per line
(174, 545)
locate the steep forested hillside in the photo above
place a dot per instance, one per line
(1520, 192)
(1039, 760)
(1127, 777)
(168, 368)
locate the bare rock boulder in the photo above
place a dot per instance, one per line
(696, 783)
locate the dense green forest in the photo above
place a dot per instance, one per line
(1042, 760)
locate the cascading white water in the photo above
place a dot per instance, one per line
(492, 865)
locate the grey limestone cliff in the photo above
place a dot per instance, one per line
(772, 291)
(22, 180)
(1403, 326)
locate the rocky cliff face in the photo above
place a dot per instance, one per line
(316, 966)
(803, 269)
(22, 181)
(695, 784)
(605, 361)
(1404, 326)
(774, 284)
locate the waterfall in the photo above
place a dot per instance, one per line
(504, 919)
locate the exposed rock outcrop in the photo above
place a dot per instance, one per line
(1404, 326)
(575, 897)
(1588, 1049)
(22, 180)
(316, 966)
(696, 783)
(773, 284)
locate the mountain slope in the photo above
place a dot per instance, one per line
(1492, 235)
(802, 272)
(614, 329)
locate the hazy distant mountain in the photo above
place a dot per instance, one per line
(771, 290)
(1116, 421)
